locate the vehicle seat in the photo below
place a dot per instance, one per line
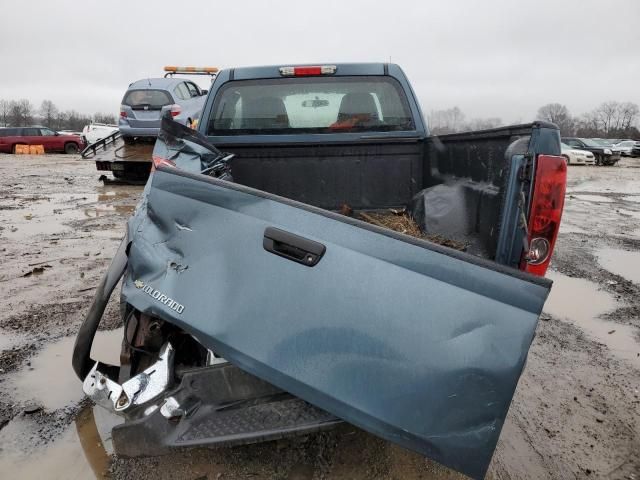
(264, 113)
(358, 107)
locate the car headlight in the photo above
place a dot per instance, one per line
(607, 151)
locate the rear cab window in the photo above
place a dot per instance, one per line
(343, 104)
(147, 99)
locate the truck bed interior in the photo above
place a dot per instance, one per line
(452, 185)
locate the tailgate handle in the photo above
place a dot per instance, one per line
(292, 247)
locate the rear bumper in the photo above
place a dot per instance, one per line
(134, 171)
(217, 406)
(128, 131)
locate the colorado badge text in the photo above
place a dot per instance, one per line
(159, 296)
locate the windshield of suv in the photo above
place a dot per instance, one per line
(151, 99)
(310, 105)
(590, 143)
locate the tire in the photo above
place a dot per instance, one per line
(71, 148)
(129, 140)
(566, 157)
(598, 159)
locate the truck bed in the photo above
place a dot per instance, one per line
(453, 186)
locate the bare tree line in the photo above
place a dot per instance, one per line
(20, 113)
(609, 120)
(452, 120)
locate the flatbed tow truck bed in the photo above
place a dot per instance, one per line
(128, 163)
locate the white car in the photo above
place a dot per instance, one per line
(97, 131)
(577, 157)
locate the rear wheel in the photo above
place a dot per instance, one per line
(598, 159)
(71, 148)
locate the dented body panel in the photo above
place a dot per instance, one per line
(414, 342)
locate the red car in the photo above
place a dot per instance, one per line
(51, 140)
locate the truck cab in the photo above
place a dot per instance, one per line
(256, 308)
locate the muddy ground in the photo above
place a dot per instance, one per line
(576, 412)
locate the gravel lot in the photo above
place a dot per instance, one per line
(576, 412)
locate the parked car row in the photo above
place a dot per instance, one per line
(598, 151)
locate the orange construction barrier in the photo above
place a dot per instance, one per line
(22, 149)
(36, 149)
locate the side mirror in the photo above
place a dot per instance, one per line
(204, 92)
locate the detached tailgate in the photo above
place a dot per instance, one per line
(416, 343)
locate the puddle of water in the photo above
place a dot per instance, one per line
(581, 302)
(593, 198)
(8, 340)
(38, 218)
(620, 262)
(102, 210)
(79, 453)
(51, 216)
(50, 381)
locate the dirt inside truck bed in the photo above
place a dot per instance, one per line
(400, 221)
(575, 414)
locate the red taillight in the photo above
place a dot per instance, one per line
(546, 212)
(161, 162)
(175, 110)
(123, 113)
(307, 71)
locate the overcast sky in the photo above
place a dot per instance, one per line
(501, 58)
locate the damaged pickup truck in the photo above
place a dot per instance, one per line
(257, 304)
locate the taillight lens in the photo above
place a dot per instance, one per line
(161, 162)
(175, 110)
(306, 71)
(546, 212)
(123, 112)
